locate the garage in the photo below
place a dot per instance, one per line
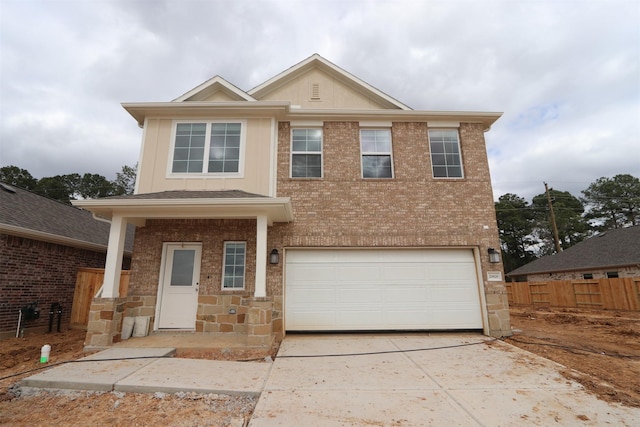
(381, 289)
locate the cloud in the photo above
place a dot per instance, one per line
(565, 74)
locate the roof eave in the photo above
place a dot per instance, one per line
(53, 238)
(276, 209)
(175, 110)
(283, 110)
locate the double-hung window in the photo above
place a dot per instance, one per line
(212, 147)
(234, 265)
(446, 160)
(306, 153)
(375, 146)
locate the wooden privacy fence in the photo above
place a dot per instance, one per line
(613, 294)
(88, 282)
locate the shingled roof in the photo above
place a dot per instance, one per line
(37, 217)
(613, 248)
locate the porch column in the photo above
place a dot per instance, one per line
(261, 256)
(113, 263)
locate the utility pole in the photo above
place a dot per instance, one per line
(556, 239)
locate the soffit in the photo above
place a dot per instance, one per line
(188, 204)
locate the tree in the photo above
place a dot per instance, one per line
(126, 180)
(613, 202)
(57, 188)
(73, 186)
(572, 227)
(92, 186)
(516, 227)
(13, 175)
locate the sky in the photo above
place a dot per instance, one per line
(565, 73)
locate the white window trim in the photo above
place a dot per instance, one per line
(224, 261)
(376, 153)
(462, 172)
(183, 175)
(321, 152)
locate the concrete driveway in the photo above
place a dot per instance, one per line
(462, 380)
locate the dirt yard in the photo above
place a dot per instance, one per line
(67, 408)
(600, 349)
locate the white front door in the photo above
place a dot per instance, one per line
(179, 286)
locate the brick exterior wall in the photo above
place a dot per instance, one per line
(35, 271)
(339, 210)
(410, 210)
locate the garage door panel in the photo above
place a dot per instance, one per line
(404, 272)
(448, 272)
(381, 289)
(306, 272)
(360, 295)
(310, 320)
(408, 319)
(357, 273)
(311, 296)
(448, 294)
(400, 293)
(452, 319)
(359, 319)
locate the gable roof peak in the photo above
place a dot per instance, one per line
(214, 84)
(317, 61)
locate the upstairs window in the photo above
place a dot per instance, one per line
(207, 148)
(306, 153)
(375, 146)
(446, 161)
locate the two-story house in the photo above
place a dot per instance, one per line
(312, 202)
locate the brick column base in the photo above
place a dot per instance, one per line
(105, 322)
(259, 325)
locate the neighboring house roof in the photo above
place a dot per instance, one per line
(613, 248)
(191, 204)
(26, 214)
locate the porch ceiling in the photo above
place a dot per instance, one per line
(137, 211)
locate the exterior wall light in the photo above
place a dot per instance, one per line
(494, 256)
(274, 257)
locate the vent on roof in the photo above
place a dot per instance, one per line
(8, 188)
(315, 91)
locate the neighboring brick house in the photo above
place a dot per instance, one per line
(42, 244)
(312, 202)
(611, 254)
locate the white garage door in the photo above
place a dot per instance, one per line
(381, 289)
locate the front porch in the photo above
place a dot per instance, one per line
(196, 223)
(222, 322)
(196, 345)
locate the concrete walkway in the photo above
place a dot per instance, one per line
(148, 370)
(363, 380)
